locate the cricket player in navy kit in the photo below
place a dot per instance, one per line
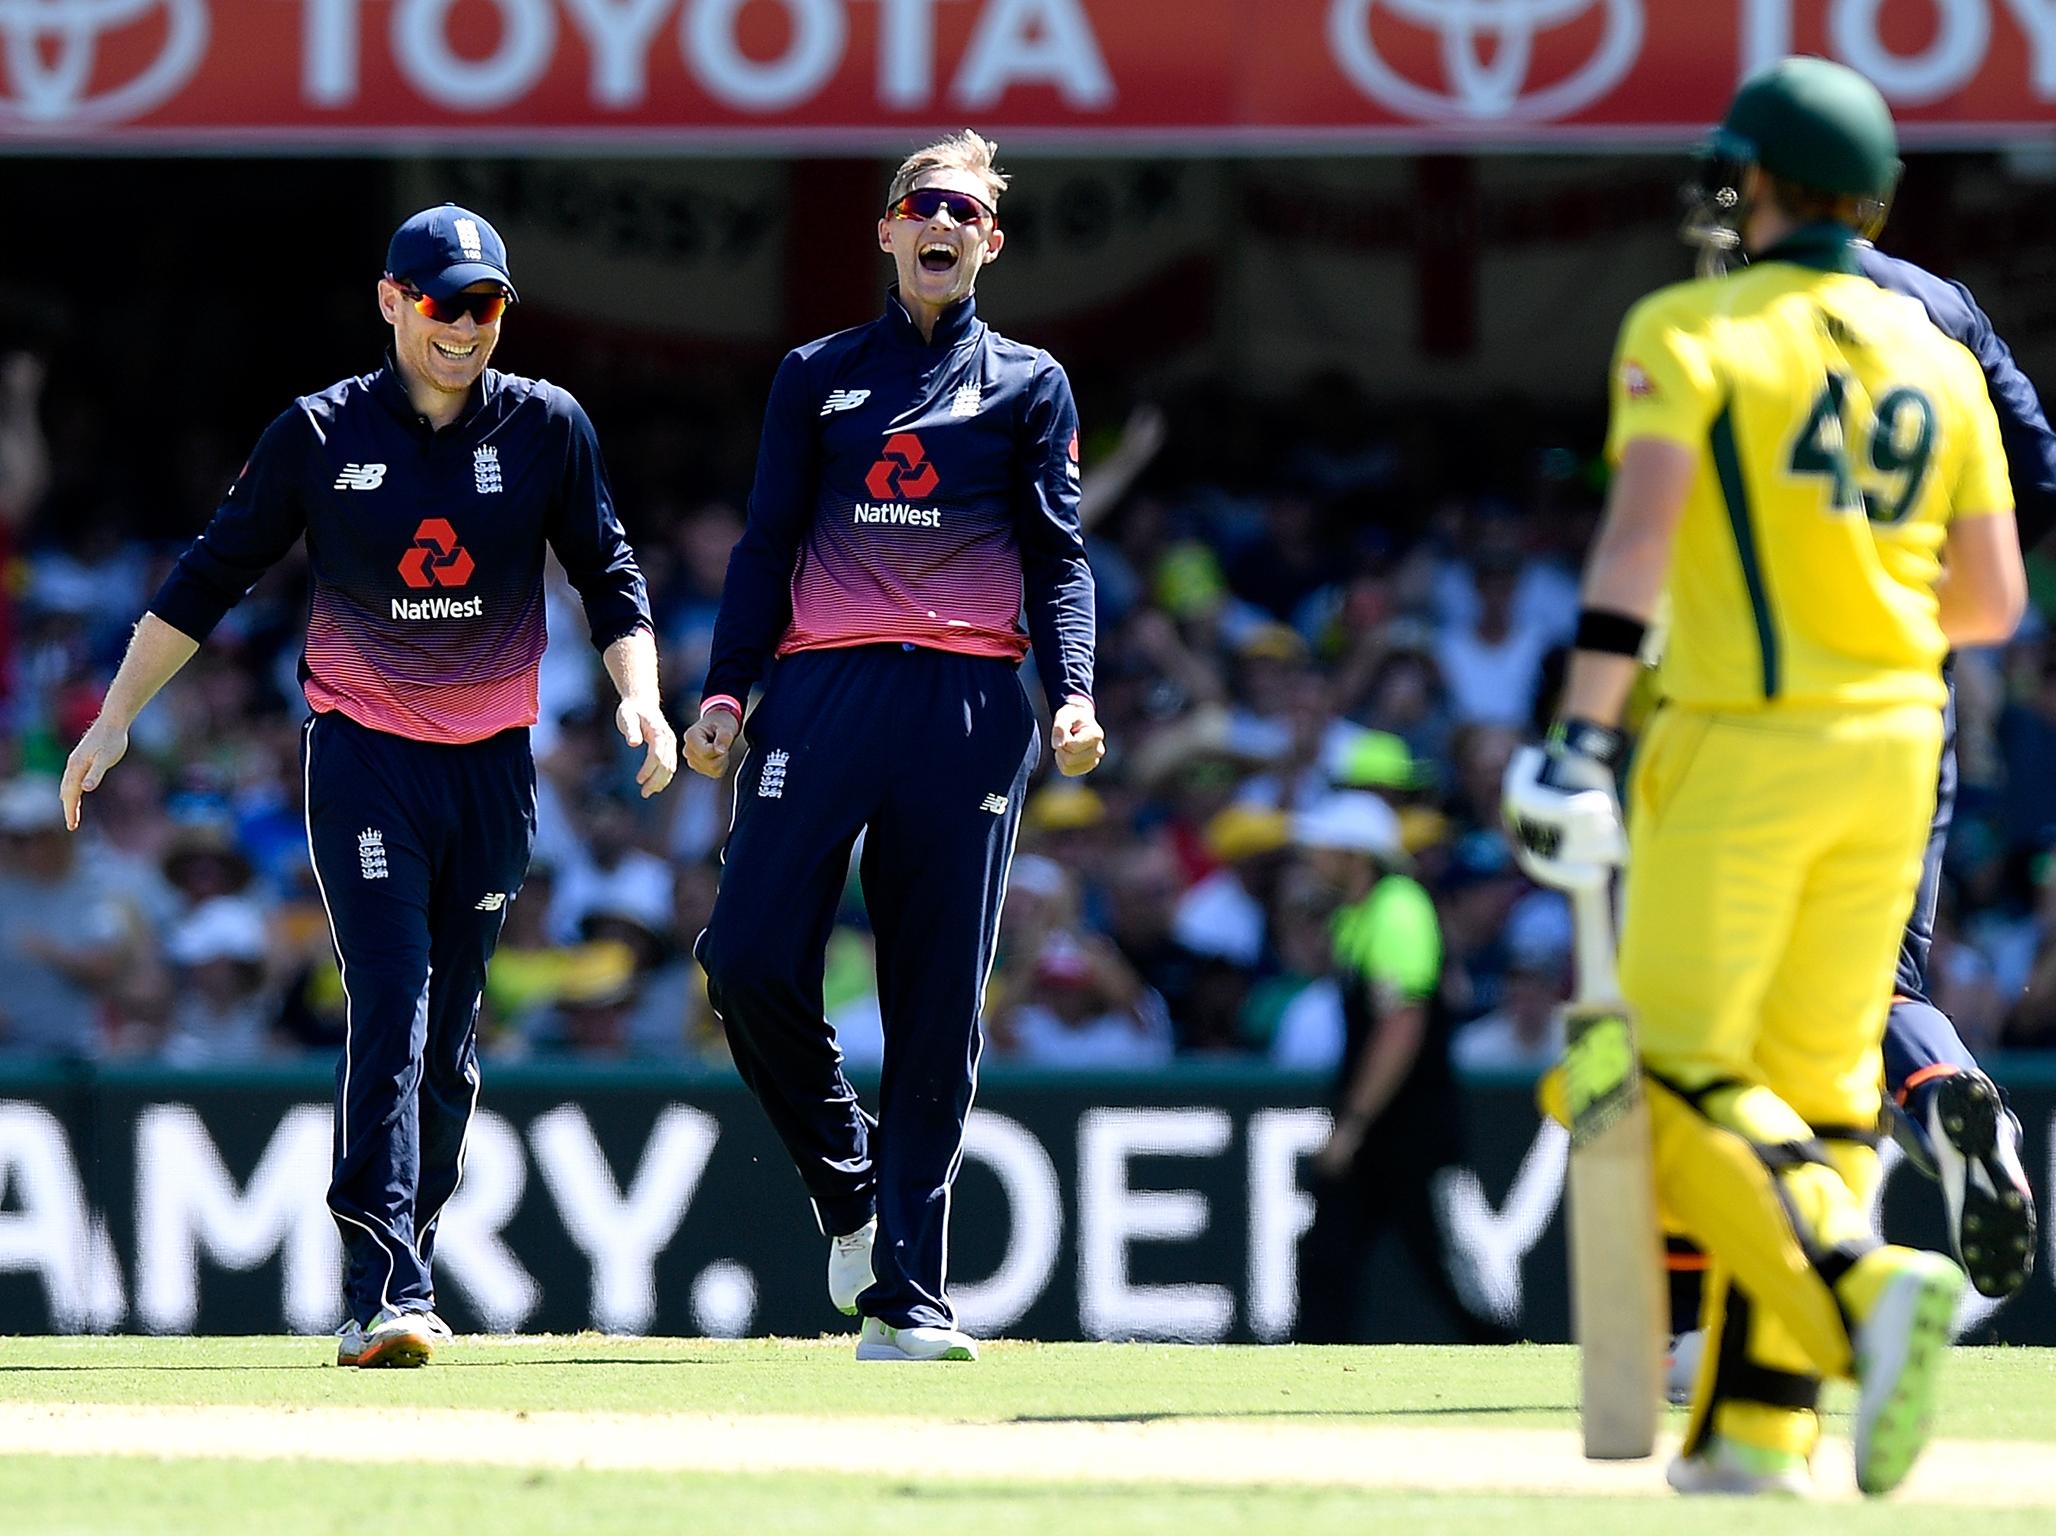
(917, 484)
(1951, 1117)
(427, 491)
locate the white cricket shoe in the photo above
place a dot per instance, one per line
(438, 1330)
(1729, 1466)
(1681, 1366)
(849, 1267)
(1976, 1145)
(1899, 1350)
(882, 1341)
(392, 1338)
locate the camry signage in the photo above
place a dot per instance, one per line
(1166, 1206)
(866, 74)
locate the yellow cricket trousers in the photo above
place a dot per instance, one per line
(1774, 859)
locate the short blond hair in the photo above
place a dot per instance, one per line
(965, 150)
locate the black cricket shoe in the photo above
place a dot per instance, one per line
(1976, 1145)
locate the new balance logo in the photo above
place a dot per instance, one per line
(371, 853)
(844, 400)
(485, 470)
(997, 804)
(492, 901)
(771, 783)
(361, 477)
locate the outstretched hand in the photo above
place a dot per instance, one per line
(642, 724)
(103, 745)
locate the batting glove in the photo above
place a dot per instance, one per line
(1561, 807)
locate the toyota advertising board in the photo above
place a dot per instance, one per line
(848, 76)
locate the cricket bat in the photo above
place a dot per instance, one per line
(1619, 1300)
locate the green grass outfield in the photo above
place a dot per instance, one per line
(813, 1395)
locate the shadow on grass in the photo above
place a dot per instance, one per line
(1480, 1409)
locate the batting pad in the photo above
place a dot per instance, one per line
(1744, 1176)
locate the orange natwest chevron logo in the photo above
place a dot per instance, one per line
(437, 559)
(904, 472)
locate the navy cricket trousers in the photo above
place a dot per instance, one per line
(928, 754)
(417, 849)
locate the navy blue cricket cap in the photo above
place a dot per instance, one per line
(444, 250)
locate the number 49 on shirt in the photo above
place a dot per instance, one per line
(1899, 445)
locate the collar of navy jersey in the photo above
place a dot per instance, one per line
(953, 327)
(1827, 246)
(387, 389)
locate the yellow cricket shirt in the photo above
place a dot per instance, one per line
(1838, 433)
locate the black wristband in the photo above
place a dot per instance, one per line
(1590, 739)
(1608, 633)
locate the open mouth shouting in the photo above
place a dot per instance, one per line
(937, 256)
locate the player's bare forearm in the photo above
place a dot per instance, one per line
(1627, 568)
(1983, 590)
(632, 663)
(156, 652)
(1596, 688)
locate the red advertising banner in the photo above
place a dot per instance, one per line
(866, 75)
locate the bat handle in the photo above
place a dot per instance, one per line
(1592, 911)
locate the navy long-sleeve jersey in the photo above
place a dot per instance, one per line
(426, 549)
(2023, 427)
(916, 492)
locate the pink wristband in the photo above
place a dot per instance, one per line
(722, 701)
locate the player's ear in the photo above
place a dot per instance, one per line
(885, 235)
(993, 242)
(389, 302)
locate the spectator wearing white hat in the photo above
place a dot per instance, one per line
(224, 1013)
(1525, 1032)
(614, 877)
(66, 938)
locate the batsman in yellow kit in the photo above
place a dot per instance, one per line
(1813, 475)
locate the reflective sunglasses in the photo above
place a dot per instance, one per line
(485, 308)
(925, 202)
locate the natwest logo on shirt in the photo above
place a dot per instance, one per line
(904, 473)
(437, 559)
(438, 607)
(899, 513)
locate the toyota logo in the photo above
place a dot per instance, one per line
(49, 50)
(1475, 88)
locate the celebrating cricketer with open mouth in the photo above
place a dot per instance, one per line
(917, 485)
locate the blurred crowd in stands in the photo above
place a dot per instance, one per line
(1297, 600)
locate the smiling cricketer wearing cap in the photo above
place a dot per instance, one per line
(427, 491)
